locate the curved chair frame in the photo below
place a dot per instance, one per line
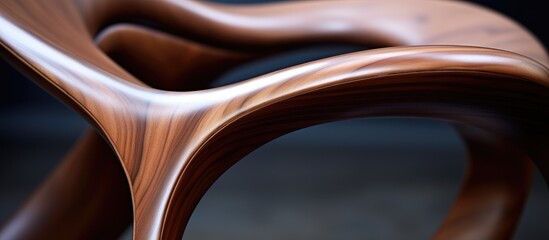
(483, 72)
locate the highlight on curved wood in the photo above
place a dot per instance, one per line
(185, 65)
(174, 145)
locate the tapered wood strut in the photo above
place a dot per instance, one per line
(483, 71)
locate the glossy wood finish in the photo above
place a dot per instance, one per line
(185, 65)
(174, 145)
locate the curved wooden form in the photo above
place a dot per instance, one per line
(173, 145)
(73, 201)
(490, 201)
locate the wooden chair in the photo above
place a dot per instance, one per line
(174, 137)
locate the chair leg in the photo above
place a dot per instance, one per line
(86, 197)
(496, 185)
(494, 190)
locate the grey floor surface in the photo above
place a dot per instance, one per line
(358, 179)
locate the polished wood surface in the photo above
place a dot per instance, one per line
(173, 145)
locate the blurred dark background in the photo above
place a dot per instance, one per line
(359, 179)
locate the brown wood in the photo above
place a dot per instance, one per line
(496, 185)
(73, 202)
(173, 145)
(185, 65)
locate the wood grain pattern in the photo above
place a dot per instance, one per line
(173, 145)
